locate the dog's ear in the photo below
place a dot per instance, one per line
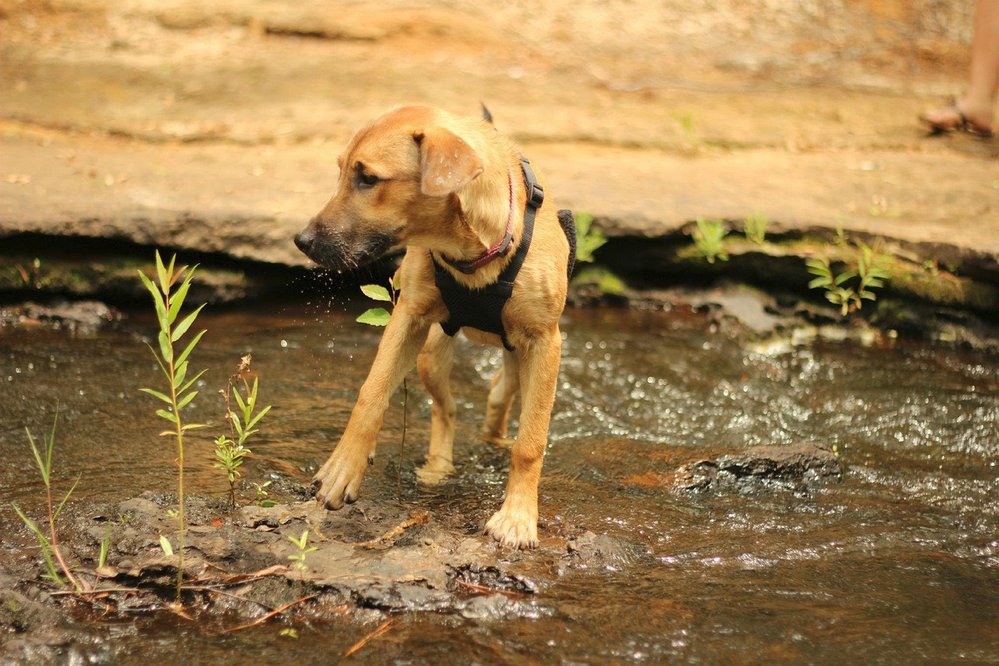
(447, 163)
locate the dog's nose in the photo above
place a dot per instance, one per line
(304, 239)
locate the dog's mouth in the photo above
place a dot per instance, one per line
(345, 254)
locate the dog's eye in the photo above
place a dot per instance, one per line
(366, 180)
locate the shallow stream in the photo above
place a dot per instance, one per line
(896, 562)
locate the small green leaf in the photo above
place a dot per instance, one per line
(157, 395)
(190, 347)
(185, 324)
(165, 545)
(165, 348)
(66, 497)
(818, 282)
(43, 469)
(237, 426)
(190, 382)
(239, 400)
(186, 400)
(260, 415)
(180, 371)
(177, 300)
(376, 292)
(161, 271)
(169, 416)
(375, 317)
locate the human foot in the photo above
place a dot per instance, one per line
(954, 118)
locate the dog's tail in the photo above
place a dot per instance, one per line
(486, 114)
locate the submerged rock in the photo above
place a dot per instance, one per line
(793, 465)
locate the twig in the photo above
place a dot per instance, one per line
(93, 592)
(385, 626)
(235, 579)
(237, 597)
(263, 618)
(482, 589)
(417, 517)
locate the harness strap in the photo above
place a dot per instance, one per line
(483, 308)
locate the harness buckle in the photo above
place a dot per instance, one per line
(535, 193)
(536, 196)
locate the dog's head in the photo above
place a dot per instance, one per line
(398, 177)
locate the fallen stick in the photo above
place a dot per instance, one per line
(385, 626)
(417, 517)
(267, 616)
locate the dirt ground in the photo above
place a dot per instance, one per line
(170, 123)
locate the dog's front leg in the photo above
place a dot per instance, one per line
(516, 523)
(339, 479)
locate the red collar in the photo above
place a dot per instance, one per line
(498, 250)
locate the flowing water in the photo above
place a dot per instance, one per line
(895, 563)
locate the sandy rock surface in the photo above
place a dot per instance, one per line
(217, 129)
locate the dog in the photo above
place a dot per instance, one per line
(456, 195)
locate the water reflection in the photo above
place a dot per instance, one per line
(896, 562)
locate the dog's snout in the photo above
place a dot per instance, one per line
(305, 238)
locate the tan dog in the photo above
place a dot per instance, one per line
(447, 188)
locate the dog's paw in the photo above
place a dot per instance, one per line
(514, 527)
(502, 441)
(435, 470)
(339, 479)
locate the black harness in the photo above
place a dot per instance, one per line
(483, 308)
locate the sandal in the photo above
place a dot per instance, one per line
(963, 124)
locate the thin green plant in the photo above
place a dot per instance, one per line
(868, 269)
(709, 240)
(755, 228)
(168, 294)
(871, 271)
(262, 496)
(379, 316)
(231, 451)
(302, 551)
(55, 562)
(102, 555)
(833, 284)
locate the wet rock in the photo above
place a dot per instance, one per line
(590, 550)
(82, 317)
(492, 578)
(760, 465)
(498, 607)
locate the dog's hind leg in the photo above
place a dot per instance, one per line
(504, 389)
(434, 364)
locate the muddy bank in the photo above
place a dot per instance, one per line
(375, 558)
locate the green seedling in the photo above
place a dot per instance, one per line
(231, 451)
(102, 555)
(169, 292)
(588, 239)
(302, 544)
(229, 457)
(832, 282)
(261, 491)
(756, 228)
(58, 570)
(868, 267)
(871, 271)
(709, 239)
